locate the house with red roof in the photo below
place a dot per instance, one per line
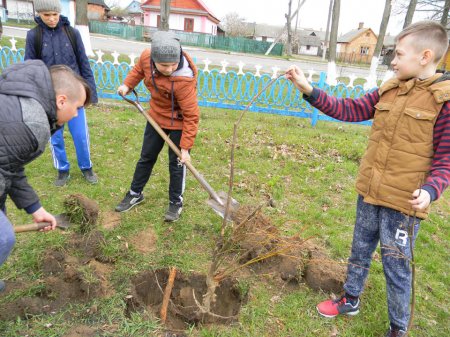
(185, 15)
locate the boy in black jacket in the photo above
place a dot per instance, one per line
(35, 102)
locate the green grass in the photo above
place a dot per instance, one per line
(303, 168)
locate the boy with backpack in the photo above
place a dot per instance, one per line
(406, 165)
(54, 42)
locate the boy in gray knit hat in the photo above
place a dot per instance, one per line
(47, 6)
(171, 77)
(55, 42)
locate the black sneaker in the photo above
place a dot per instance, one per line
(129, 202)
(395, 333)
(2, 285)
(63, 178)
(173, 212)
(90, 176)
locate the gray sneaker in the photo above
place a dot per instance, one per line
(63, 178)
(173, 212)
(129, 202)
(90, 176)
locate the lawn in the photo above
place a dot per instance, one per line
(309, 172)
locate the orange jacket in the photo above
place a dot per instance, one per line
(173, 103)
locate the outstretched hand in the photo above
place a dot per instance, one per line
(297, 77)
(421, 200)
(41, 215)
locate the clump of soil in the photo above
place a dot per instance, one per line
(290, 258)
(148, 289)
(81, 331)
(67, 279)
(82, 211)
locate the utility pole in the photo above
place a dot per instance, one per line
(327, 31)
(165, 12)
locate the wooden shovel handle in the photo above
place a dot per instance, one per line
(31, 227)
(174, 148)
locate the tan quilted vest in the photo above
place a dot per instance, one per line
(400, 149)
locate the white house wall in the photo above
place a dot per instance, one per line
(312, 50)
(176, 21)
(20, 10)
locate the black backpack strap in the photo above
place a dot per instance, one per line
(70, 32)
(38, 42)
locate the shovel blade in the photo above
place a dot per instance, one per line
(219, 207)
(62, 221)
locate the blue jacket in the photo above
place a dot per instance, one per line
(57, 49)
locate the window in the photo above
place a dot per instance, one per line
(308, 47)
(188, 25)
(364, 50)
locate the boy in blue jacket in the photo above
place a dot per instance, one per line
(55, 42)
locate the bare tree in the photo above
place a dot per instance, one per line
(289, 30)
(376, 54)
(433, 9)
(410, 13)
(81, 23)
(234, 25)
(333, 42)
(165, 12)
(444, 18)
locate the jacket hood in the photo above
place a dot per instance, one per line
(31, 79)
(63, 21)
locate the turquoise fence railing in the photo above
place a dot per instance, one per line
(215, 88)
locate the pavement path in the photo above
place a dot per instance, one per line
(108, 43)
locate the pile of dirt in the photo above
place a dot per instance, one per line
(292, 259)
(82, 211)
(68, 277)
(187, 293)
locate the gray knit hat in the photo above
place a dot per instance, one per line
(166, 47)
(47, 6)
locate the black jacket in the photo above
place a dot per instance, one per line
(27, 117)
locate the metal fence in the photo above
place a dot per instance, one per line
(140, 33)
(228, 90)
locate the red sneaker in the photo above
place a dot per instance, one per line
(332, 308)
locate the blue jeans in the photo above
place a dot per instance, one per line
(390, 227)
(80, 134)
(7, 237)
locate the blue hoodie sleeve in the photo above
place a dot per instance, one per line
(85, 68)
(30, 53)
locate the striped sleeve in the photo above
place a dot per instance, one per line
(345, 109)
(439, 177)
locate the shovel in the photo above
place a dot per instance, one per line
(62, 222)
(216, 201)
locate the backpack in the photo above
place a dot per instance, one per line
(70, 32)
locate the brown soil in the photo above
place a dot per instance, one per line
(290, 259)
(81, 331)
(147, 293)
(110, 220)
(67, 279)
(145, 241)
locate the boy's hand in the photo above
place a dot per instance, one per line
(297, 77)
(41, 215)
(421, 201)
(123, 89)
(185, 156)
